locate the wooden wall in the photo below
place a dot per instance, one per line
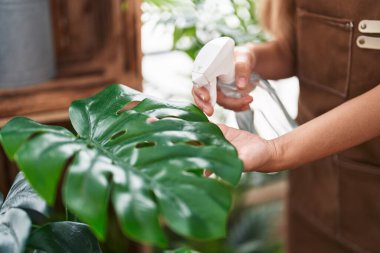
(97, 43)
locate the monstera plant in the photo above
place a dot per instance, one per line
(148, 172)
(24, 223)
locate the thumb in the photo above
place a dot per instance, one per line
(242, 71)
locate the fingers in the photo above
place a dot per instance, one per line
(242, 70)
(244, 60)
(207, 173)
(243, 66)
(202, 100)
(205, 107)
(151, 120)
(235, 104)
(202, 93)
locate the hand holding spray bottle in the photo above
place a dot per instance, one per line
(214, 66)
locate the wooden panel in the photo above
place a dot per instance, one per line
(8, 172)
(4, 177)
(76, 37)
(131, 39)
(94, 36)
(80, 30)
(97, 42)
(51, 96)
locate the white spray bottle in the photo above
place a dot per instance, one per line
(214, 65)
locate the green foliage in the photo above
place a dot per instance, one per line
(20, 217)
(254, 230)
(145, 170)
(250, 230)
(64, 237)
(195, 22)
(15, 223)
(181, 250)
(166, 3)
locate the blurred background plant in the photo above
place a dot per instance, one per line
(195, 22)
(251, 229)
(256, 225)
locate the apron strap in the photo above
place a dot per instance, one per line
(369, 26)
(368, 42)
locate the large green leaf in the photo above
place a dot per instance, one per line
(146, 170)
(64, 237)
(15, 223)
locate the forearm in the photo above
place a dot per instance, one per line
(348, 125)
(273, 60)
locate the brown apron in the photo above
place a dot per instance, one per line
(334, 203)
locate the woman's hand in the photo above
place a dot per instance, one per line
(256, 153)
(244, 63)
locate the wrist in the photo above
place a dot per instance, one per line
(277, 161)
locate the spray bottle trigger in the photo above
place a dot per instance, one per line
(212, 90)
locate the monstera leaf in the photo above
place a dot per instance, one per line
(63, 237)
(15, 223)
(23, 208)
(146, 171)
